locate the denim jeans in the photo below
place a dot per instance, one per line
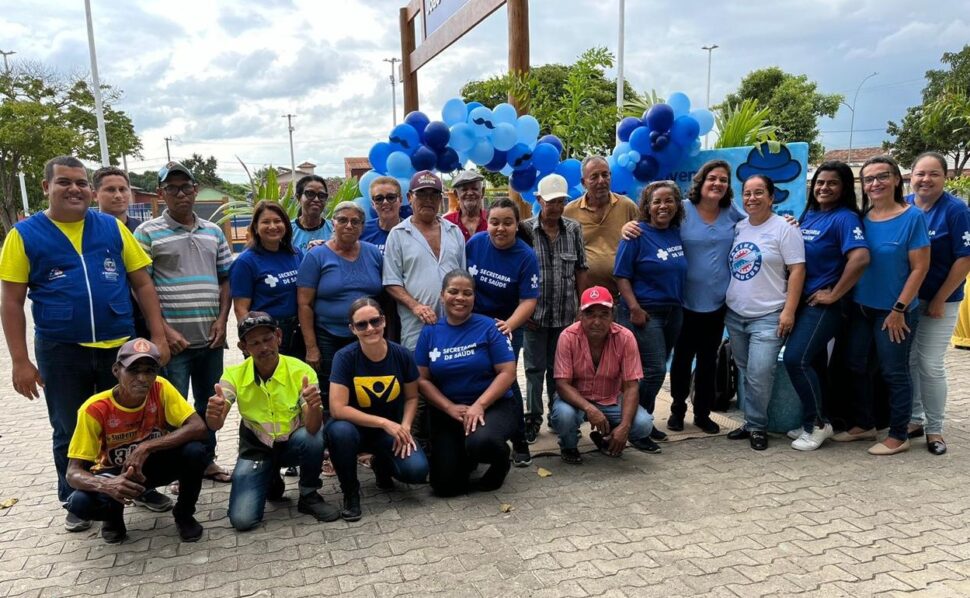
(328, 344)
(865, 329)
(814, 327)
(203, 368)
(566, 419)
(71, 374)
(655, 341)
(346, 440)
(540, 359)
(184, 463)
(251, 478)
(930, 343)
(755, 344)
(700, 336)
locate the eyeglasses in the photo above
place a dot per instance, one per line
(389, 198)
(427, 194)
(758, 193)
(312, 195)
(371, 323)
(344, 221)
(882, 177)
(174, 190)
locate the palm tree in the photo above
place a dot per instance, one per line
(745, 125)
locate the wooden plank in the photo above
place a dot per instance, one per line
(458, 25)
(413, 9)
(409, 75)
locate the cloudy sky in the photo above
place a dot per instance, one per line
(217, 75)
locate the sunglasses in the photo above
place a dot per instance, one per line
(256, 321)
(174, 190)
(312, 195)
(389, 198)
(365, 324)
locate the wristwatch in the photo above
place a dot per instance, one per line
(900, 306)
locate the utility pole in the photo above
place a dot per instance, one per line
(168, 153)
(98, 106)
(848, 156)
(6, 66)
(289, 125)
(619, 60)
(393, 61)
(710, 50)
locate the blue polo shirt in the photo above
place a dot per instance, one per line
(376, 387)
(707, 247)
(890, 242)
(503, 277)
(655, 265)
(948, 222)
(462, 358)
(829, 236)
(339, 282)
(267, 279)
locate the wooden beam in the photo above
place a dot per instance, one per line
(414, 9)
(410, 75)
(458, 25)
(519, 64)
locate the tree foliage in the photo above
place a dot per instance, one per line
(744, 125)
(204, 170)
(793, 103)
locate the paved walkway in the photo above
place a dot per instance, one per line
(708, 516)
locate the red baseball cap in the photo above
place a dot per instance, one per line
(425, 179)
(596, 296)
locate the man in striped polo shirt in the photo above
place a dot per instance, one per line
(597, 379)
(190, 268)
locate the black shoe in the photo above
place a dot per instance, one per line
(291, 472)
(276, 488)
(646, 445)
(656, 434)
(154, 501)
(384, 481)
(532, 431)
(759, 440)
(571, 456)
(738, 434)
(351, 510)
(599, 441)
(707, 426)
(916, 433)
(313, 504)
(521, 457)
(188, 528)
(937, 447)
(675, 423)
(113, 532)
(494, 477)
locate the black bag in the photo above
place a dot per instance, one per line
(725, 377)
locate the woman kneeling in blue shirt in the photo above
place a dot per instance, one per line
(467, 368)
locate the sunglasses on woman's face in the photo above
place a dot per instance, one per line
(363, 325)
(389, 198)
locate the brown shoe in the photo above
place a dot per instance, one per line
(881, 449)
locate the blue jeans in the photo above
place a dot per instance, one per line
(251, 478)
(202, 367)
(814, 327)
(930, 343)
(656, 340)
(566, 419)
(865, 330)
(540, 357)
(346, 440)
(755, 344)
(71, 374)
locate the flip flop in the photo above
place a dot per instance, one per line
(218, 475)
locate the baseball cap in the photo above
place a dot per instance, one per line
(553, 186)
(596, 296)
(136, 349)
(425, 179)
(466, 176)
(173, 167)
(254, 320)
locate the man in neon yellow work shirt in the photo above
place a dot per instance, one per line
(77, 265)
(281, 424)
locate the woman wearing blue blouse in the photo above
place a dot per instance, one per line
(332, 276)
(650, 272)
(885, 311)
(466, 369)
(506, 273)
(836, 254)
(948, 221)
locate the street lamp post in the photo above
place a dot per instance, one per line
(6, 65)
(98, 105)
(619, 59)
(710, 51)
(848, 156)
(393, 92)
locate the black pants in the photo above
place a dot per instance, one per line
(454, 455)
(700, 337)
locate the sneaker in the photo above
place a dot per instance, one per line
(73, 523)
(646, 445)
(313, 504)
(351, 510)
(796, 433)
(154, 501)
(675, 423)
(656, 434)
(276, 488)
(532, 431)
(113, 532)
(521, 457)
(189, 529)
(708, 426)
(810, 442)
(291, 472)
(571, 456)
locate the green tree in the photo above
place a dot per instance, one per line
(744, 125)
(204, 170)
(793, 103)
(942, 121)
(44, 114)
(147, 180)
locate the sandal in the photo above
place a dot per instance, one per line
(327, 470)
(216, 474)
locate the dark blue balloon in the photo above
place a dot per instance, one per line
(419, 120)
(498, 162)
(640, 140)
(520, 156)
(378, 156)
(654, 135)
(545, 157)
(522, 180)
(448, 160)
(660, 143)
(646, 169)
(670, 155)
(626, 127)
(660, 117)
(436, 135)
(553, 140)
(424, 158)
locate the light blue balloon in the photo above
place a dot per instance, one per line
(504, 137)
(364, 204)
(504, 113)
(623, 159)
(405, 187)
(640, 140)
(630, 164)
(365, 180)
(695, 148)
(462, 137)
(481, 121)
(507, 170)
(621, 148)
(634, 156)
(454, 111)
(705, 120)
(528, 129)
(399, 165)
(680, 103)
(482, 152)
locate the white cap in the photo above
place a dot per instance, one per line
(553, 186)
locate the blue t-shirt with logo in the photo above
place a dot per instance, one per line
(339, 282)
(655, 265)
(890, 242)
(376, 387)
(503, 277)
(462, 358)
(948, 222)
(268, 279)
(302, 236)
(829, 236)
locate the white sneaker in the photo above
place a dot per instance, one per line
(810, 442)
(796, 433)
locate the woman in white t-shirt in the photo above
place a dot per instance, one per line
(767, 263)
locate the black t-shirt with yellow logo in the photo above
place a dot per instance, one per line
(376, 387)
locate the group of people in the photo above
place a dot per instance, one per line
(399, 336)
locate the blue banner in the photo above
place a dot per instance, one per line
(436, 12)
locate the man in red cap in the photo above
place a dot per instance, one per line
(597, 376)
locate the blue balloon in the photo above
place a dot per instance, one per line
(571, 169)
(553, 140)
(378, 156)
(520, 156)
(660, 117)
(640, 140)
(462, 137)
(660, 143)
(684, 130)
(454, 111)
(365, 205)
(482, 152)
(504, 136)
(576, 191)
(405, 184)
(695, 148)
(634, 156)
(404, 138)
(481, 121)
(621, 148)
(626, 127)
(448, 160)
(507, 170)
(528, 129)
(437, 135)
(679, 103)
(471, 106)
(399, 164)
(623, 159)
(705, 120)
(419, 120)
(498, 161)
(522, 180)
(620, 179)
(504, 113)
(646, 169)
(424, 158)
(365, 180)
(545, 157)
(670, 155)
